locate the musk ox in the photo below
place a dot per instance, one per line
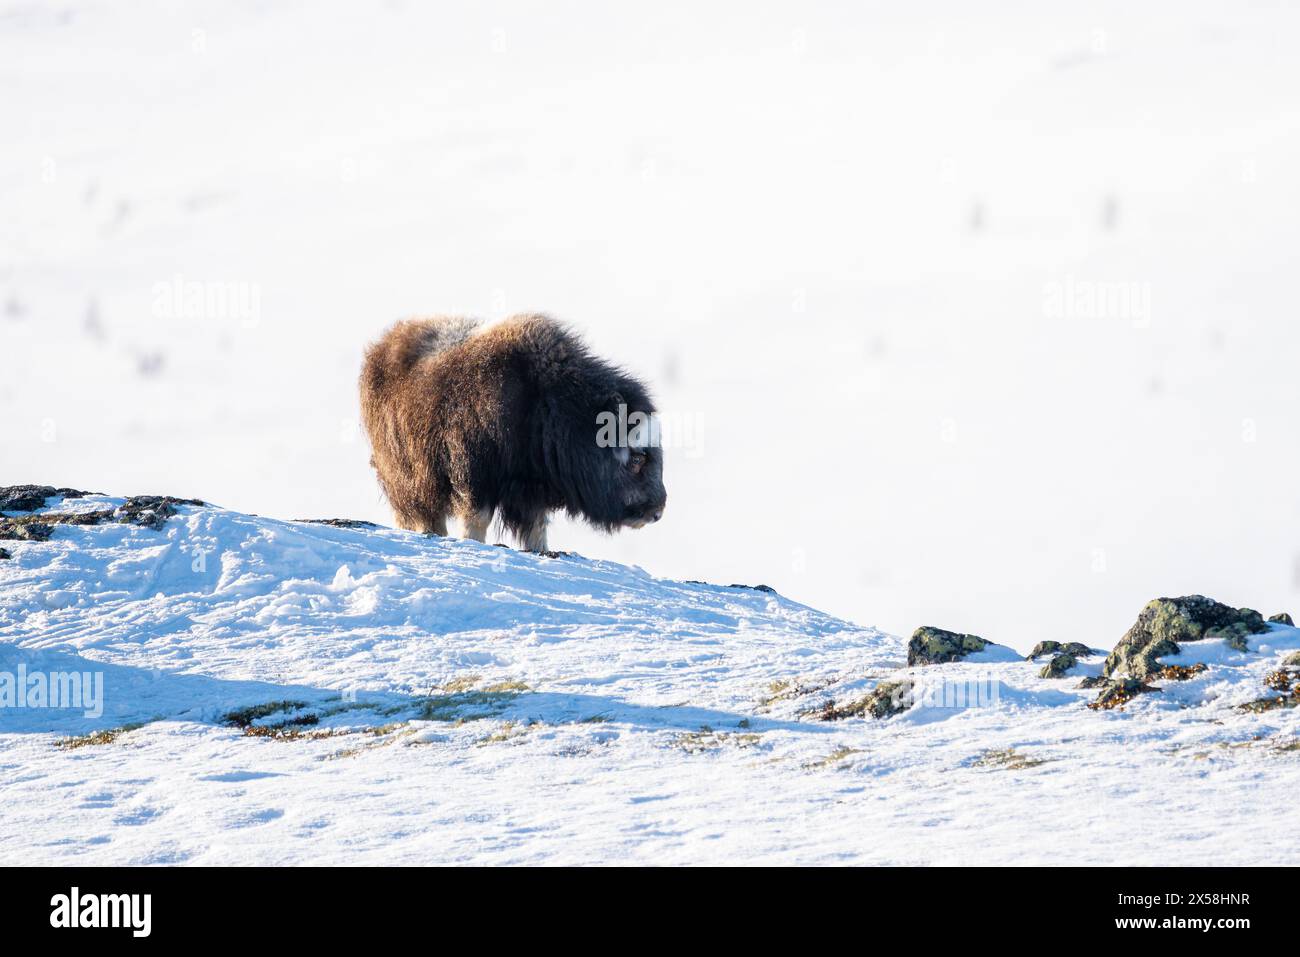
(511, 420)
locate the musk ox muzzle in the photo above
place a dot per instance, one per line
(512, 421)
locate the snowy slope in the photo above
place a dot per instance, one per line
(445, 701)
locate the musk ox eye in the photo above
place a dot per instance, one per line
(636, 462)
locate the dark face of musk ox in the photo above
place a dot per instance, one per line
(637, 467)
(627, 465)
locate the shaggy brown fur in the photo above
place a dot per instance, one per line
(468, 421)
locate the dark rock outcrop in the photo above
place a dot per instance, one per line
(1282, 618)
(28, 498)
(1165, 622)
(151, 511)
(932, 646)
(147, 511)
(1075, 648)
(338, 522)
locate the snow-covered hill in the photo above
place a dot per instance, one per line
(294, 692)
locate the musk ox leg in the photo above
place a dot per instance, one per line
(475, 524)
(533, 535)
(428, 524)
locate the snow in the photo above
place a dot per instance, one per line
(768, 213)
(474, 704)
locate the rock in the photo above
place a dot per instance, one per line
(338, 522)
(1282, 618)
(1119, 692)
(1166, 621)
(932, 646)
(688, 581)
(28, 498)
(886, 699)
(1235, 634)
(1093, 681)
(1058, 666)
(1077, 649)
(150, 511)
(1292, 660)
(5, 554)
(23, 531)
(1260, 705)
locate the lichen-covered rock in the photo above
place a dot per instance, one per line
(1058, 666)
(1282, 618)
(28, 498)
(886, 699)
(1235, 634)
(1075, 648)
(932, 646)
(1165, 622)
(1118, 692)
(1292, 660)
(1093, 681)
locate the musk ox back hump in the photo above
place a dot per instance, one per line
(406, 343)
